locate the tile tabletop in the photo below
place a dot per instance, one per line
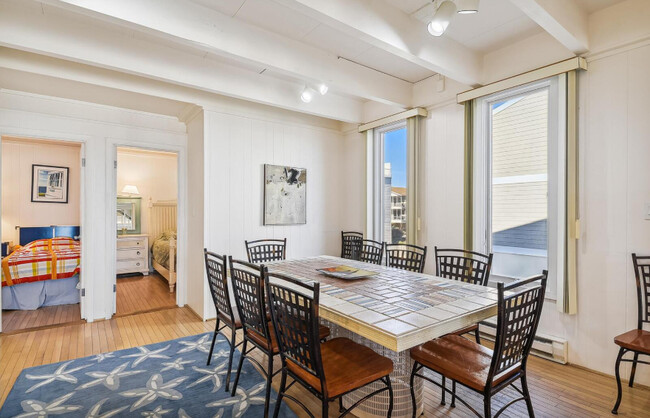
(395, 308)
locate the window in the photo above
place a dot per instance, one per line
(519, 180)
(391, 197)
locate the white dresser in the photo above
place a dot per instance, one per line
(132, 254)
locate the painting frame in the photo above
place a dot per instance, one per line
(57, 176)
(271, 197)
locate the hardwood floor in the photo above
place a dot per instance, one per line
(557, 390)
(134, 294)
(143, 293)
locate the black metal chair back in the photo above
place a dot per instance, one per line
(351, 243)
(406, 257)
(295, 320)
(215, 266)
(265, 250)
(247, 280)
(372, 251)
(517, 319)
(465, 266)
(642, 274)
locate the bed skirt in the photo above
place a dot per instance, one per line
(30, 296)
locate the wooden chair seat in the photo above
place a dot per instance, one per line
(323, 332)
(347, 366)
(636, 340)
(459, 359)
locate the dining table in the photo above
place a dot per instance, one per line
(391, 312)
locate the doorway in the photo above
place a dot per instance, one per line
(146, 230)
(41, 233)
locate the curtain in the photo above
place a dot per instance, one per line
(413, 145)
(468, 214)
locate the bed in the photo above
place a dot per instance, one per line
(162, 227)
(30, 278)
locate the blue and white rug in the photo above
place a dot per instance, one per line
(168, 379)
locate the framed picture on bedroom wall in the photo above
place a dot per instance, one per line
(49, 184)
(285, 195)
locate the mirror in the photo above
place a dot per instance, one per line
(128, 215)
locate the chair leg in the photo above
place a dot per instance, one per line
(241, 363)
(283, 384)
(214, 340)
(390, 397)
(341, 409)
(413, 404)
(233, 335)
(529, 402)
(618, 381)
(477, 336)
(444, 392)
(325, 412)
(269, 382)
(453, 394)
(633, 372)
(487, 407)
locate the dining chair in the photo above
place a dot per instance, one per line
(247, 279)
(372, 251)
(265, 250)
(351, 244)
(480, 369)
(465, 266)
(329, 370)
(406, 257)
(224, 303)
(636, 341)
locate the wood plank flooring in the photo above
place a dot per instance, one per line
(143, 293)
(557, 390)
(130, 292)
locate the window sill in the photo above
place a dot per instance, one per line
(505, 279)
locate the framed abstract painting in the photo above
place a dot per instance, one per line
(49, 184)
(285, 195)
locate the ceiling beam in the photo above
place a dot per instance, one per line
(202, 29)
(387, 27)
(562, 19)
(87, 43)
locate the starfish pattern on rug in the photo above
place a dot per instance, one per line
(145, 354)
(210, 374)
(155, 388)
(95, 411)
(177, 364)
(60, 374)
(242, 400)
(156, 413)
(103, 356)
(109, 379)
(36, 408)
(202, 344)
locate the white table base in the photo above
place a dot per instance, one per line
(377, 406)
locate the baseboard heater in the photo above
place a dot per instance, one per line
(544, 346)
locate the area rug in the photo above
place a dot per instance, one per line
(168, 379)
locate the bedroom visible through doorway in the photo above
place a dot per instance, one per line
(41, 233)
(146, 218)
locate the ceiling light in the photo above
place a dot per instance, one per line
(307, 94)
(467, 6)
(322, 89)
(441, 19)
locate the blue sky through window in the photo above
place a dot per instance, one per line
(395, 154)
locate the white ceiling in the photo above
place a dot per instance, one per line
(591, 6)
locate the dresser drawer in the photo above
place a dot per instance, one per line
(131, 253)
(125, 266)
(131, 243)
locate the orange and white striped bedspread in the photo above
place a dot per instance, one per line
(43, 259)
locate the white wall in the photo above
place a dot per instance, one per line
(155, 174)
(28, 115)
(239, 139)
(17, 207)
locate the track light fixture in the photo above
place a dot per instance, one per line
(467, 6)
(438, 25)
(309, 91)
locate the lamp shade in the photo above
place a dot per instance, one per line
(130, 189)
